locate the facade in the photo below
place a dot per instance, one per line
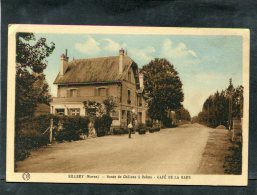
(96, 79)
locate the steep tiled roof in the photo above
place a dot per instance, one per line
(103, 69)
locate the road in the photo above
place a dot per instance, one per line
(174, 150)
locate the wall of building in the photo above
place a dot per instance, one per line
(120, 92)
(129, 84)
(89, 90)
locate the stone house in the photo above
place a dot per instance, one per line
(95, 79)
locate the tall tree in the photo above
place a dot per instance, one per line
(237, 104)
(163, 88)
(109, 105)
(31, 86)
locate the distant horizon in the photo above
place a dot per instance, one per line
(204, 63)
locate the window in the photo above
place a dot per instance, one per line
(74, 111)
(72, 93)
(115, 115)
(129, 76)
(139, 100)
(129, 96)
(139, 117)
(102, 91)
(59, 111)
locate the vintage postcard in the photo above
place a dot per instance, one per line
(127, 105)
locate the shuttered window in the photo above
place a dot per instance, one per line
(129, 76)
(102, 91)
(129, 97)
(72, 93)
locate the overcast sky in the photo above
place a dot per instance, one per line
(204, 63)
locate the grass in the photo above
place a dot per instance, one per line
(233, 161)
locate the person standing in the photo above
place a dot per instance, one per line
(130, 127)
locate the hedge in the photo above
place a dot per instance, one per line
(103, 125)
(24, 144)
(154, 129)
(149, 123)
(141, 131)
(29, 135)
(120, 131)
(141, 128)
(29, 132)
(71, 128)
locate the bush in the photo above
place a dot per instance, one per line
(141, 126)
(149, 123)
(141, 131)
(151, 130)
(116, 131)
(36, 124)
(103, 125)
(24, 145)
(72, 128)
(29, 135)
(120, 131)
(125, 131)
(29, 132)
(167, 122)
(154, 129)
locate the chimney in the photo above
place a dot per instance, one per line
(121, 60)
(64, 63)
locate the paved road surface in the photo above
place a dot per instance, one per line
(175, 150)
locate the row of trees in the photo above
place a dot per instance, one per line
(221, 107)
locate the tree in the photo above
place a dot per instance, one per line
(183, 114)
(109, 105)
(31, 86)
(94, 109)
(100, 114)
(238, 101)
(195, 119)
(163, 88)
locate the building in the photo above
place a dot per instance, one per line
(95, 79)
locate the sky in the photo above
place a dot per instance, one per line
(204, 63)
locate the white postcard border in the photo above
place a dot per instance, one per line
(227, 180)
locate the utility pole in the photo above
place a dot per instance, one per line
(51, 131)
(230, 105)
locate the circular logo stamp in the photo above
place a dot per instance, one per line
(26, 176)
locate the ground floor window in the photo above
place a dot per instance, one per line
(74, 111)
(115, 115)
(59, 111)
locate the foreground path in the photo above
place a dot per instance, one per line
(175, 150)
